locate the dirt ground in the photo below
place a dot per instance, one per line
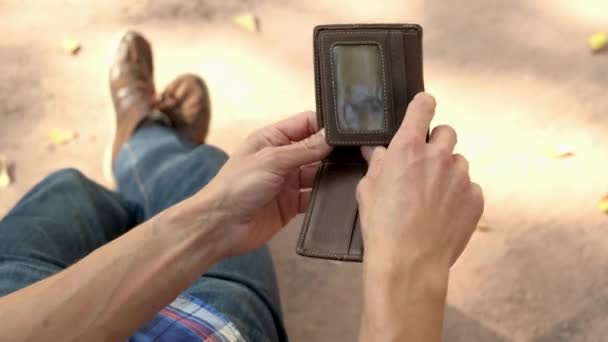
(515, 78)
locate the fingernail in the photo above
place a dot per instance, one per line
(318, 139)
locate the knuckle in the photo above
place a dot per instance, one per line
(307, 144)
(412, 146)
(376, 159)
(361, 189)
(442, 156)
(253, 137)
(267, 154)
(462, 162)
(462, 179)
(375, 163)
(460, 158)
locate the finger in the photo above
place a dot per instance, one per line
(299, 126)
(461, 162)
(291, 157)
(372, 153)
(417, 120)
(304, 200)
(308, 173)
(294, 128)
(444, 135)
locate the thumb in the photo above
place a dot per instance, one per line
(292, 156)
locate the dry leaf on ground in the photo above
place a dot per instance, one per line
(248, 21)
(483, 226)
(562, 151)
(5, 179)
(602, 204)
(71, 46)
(61, 136)
(598, 41)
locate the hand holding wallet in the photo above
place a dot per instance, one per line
(365, 76)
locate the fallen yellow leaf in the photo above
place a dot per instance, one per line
(61, 136)
(247, 21)
(562, 151)
(602, 204)
(71, 46)
(5, 179)
(598, 41)
(483, 226)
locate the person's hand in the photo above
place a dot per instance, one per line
(418, 210)
(417, 203)
(266, 182)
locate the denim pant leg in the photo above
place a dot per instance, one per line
(60, 221)
(158, 169)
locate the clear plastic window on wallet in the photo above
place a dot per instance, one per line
(359, 88)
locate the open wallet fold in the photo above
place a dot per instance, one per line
(365, 77)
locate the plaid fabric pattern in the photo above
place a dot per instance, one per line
(188, 319)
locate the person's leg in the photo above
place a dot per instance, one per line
(159, 166)
(60, 221)
(157, 169)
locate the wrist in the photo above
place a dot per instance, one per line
(403, 300)
(414, 277)
(198, 224)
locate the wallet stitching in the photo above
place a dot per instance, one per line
(404, 76)
(333, 28)
(318, 80)
(333, 87)
(313, 252)
(326, 254)
(355, 142)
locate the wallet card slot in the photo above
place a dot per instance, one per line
(346, 155)
(331, 219)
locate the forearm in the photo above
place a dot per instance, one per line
(117, 288)
(404, 305)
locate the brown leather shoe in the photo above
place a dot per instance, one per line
(132, 86)
(186, 102)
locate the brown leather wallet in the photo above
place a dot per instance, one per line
(365, 76)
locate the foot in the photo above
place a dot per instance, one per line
(132, 86)
(186, 103)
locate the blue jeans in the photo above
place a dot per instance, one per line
(67, 216)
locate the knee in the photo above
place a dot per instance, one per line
(66, 177)
(211, 155)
